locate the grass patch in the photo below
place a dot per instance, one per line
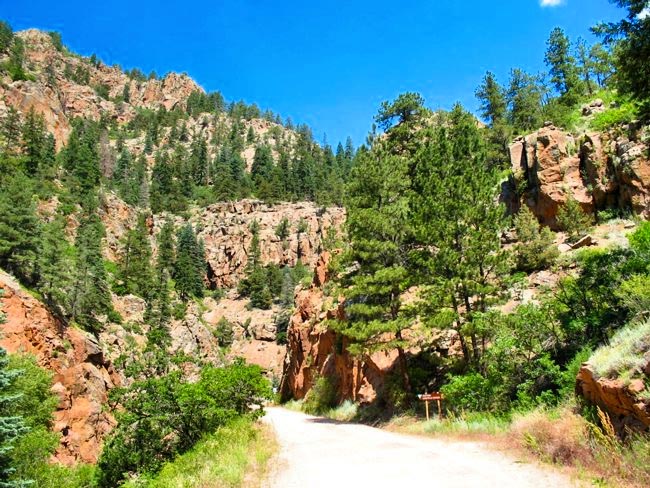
(463, 425)
(235, 456)
(625, 353)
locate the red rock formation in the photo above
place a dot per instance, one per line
(314, 350)
(82, 376)
(598, 170)
(619, 400)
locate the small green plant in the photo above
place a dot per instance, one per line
(573, 220)
(322, 396)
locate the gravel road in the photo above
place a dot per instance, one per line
(316, 452)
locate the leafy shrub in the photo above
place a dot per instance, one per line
(624, 114)
(536, 248)
(322, 396)
(163, 417)
(471, 391)
(223, 332)
(573, 220)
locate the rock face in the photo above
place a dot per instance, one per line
(313, 350)
(82, 375)
(225, 229)
(619, 400)
(60, 99)
(599, 170)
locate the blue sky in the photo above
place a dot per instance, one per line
(327, 64)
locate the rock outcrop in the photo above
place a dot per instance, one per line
(314, 350)
(599, 170)
(620, 400)
(82, 374)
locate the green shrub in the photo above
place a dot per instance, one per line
(624, 114)
(322, 396)
(163, 417)
(536, 248)
(471, 392)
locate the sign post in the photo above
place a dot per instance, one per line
(430, 397)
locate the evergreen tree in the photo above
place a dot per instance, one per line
(631, 37)
(189, 267)
(90, 292)
(379, 231)
(457, 225)
(11, 131)
(135, 261)
(19, 228)
(535, 249)
(12, 427)
(34, 139)
(54, 267)
(525, 101)
(492, 97)
(166, 251)
(563, 69)
(6, 36)
(262, 165)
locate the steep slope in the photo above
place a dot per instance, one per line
(83, 374)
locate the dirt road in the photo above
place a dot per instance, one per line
(318, 453)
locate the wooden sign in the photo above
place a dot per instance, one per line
(431, 397)
(437, 397)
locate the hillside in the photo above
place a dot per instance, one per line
(171, 262)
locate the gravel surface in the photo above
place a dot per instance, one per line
(317, 452)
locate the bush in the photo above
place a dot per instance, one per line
(468, 392)
(624, 114)
(322, 396)
(573, 220)
(536, 248)
(166, 416)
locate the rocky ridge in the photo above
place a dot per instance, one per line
(599, 170)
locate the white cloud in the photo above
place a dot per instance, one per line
(551, 3)
(644, 13)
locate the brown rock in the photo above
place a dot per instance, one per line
(82, 377)
(314, 350)
(619, 401)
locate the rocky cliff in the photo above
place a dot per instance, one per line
(315, 350)
(600, 170)
(83, 374)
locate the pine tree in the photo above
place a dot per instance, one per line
(262, 165)
(11, 131)
(535, 249)
(19, 227)
(457, 227)
(166, 251)
(189, 267)
(12, 427)
(54, 267)
(493, 100)
(34, 138)
(90, 292)
(524, 97)
(135, 261)
(379, 231)
(563, 68)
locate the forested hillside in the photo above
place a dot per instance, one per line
(157, 244)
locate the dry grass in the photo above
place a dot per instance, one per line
(564, 438)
